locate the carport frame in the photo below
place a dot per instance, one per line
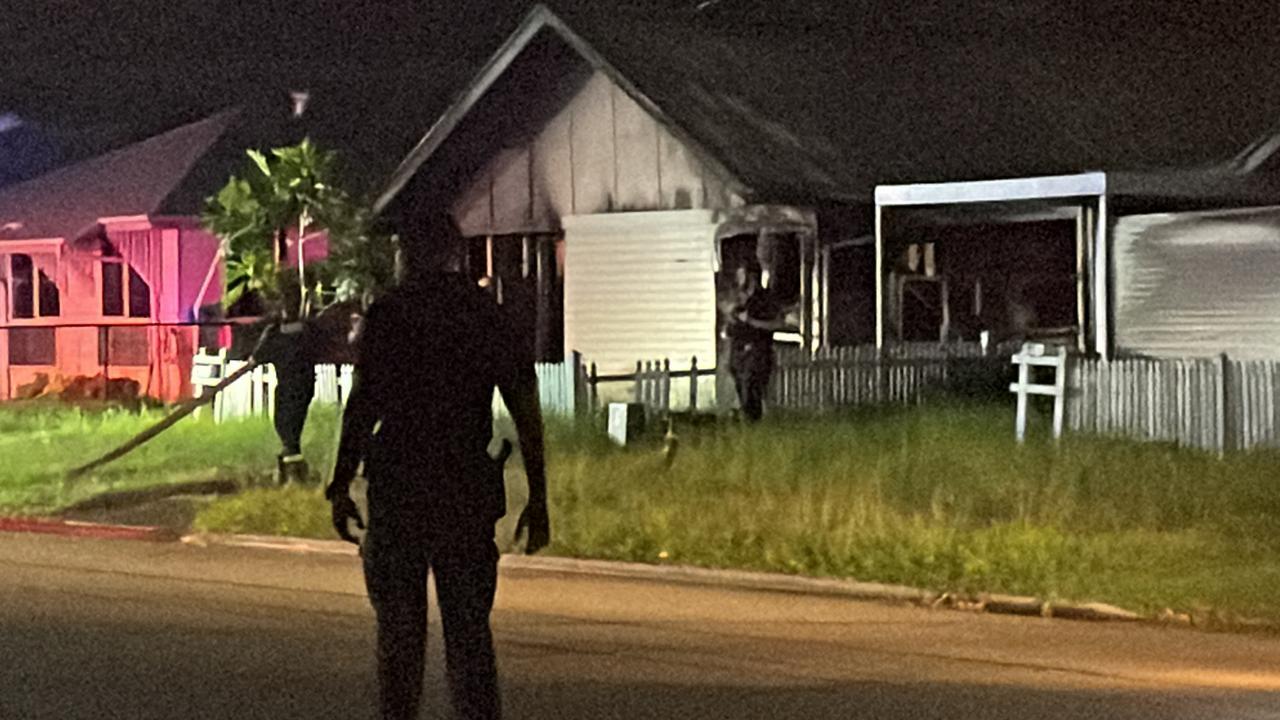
(1085, 192)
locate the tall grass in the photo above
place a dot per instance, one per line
(40, 442)
(941, 498)
(938, 497)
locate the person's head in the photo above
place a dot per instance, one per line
(429, 242)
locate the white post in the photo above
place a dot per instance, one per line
(1059, 392)
(1082, 292)
(1101, 278)
(879, 231)
(1024, 377)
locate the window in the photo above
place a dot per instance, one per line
(117, 296)
(34, 293)
(32, 346)
(123, 346)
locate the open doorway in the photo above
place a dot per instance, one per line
(525, 275)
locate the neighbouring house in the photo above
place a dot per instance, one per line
(105, 270)
(606, 175)
(103, 267)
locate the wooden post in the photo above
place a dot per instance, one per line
(638, 390)
(579, 388)
(666, 384)
(1082, 242)
(1020, 420)
(1101, 278)
(593, 396)
(1060, 390)
(879, 230)
(693, 384)
(1224, 418)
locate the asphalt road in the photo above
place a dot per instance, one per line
(115, 629)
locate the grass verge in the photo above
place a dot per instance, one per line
(939, 498)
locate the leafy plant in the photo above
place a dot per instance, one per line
(289, 191)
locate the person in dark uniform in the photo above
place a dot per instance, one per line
(288, 347)
(429, 357)
(752, 317)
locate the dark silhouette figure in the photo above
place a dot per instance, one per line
(752, 317)
(288, 347)
(429, 356)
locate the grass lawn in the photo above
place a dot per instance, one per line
(41, 441)
(940, 498)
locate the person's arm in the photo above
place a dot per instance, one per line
(763, 313)
(358, 421)
(520, 394)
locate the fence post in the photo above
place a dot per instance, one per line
(666, 385)
(578, 391)
(1225, 438)
(593, 389)
(1024, 376)
(1060, 392)
(693, 384)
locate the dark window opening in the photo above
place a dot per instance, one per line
(22, 277)
(523, 275)
(50, 305)
(851, 294)
(1011, 281)
(122, 346)
(34, 293)
(32, 346)
(139, 296)
(112, 289)
(117, 296)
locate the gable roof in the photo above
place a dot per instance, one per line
(829, 116)
(136, 180)
(538, 20)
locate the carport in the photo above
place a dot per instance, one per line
(910, 220)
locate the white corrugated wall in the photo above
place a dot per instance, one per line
(641, 286)
(1199, 284)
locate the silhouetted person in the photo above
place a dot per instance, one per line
(753, 317)
(429, 357)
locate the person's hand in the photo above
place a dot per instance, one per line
(535, 523)
(344, 510)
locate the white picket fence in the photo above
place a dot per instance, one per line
(254, 394)
(1216, 404)
(863, 375)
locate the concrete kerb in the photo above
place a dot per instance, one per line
(740, 579)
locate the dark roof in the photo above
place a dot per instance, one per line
(827, 116)
(140, 179)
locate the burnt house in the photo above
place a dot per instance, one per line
(607, 176)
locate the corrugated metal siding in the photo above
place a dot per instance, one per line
(640, 286)
(1199, 284)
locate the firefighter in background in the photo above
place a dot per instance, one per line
(752, 317)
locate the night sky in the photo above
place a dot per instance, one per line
(101, 73)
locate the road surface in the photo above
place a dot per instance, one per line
(94, 629)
